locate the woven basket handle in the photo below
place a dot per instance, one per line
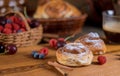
(22, 16)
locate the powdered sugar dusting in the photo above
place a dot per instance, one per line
(74, 46)
(94, 35)
(94, 40)
(96, 43)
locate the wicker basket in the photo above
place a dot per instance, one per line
(27, 38)
(65, 26)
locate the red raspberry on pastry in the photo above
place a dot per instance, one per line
(101, 60)
(1, 28)
(7, 31)
(16, 26)
(53, 43)
(8, 25)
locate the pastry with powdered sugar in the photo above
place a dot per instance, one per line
(74, 54)
(93, 42)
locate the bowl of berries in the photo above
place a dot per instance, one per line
(18, 30)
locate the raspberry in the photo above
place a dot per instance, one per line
(101, 60)
(44, 51)
(61, 39)
(7, 31)
(12, 18)
(16, 26)
(53, 43)
(8, 25)
(14, 31)
(1, 28)
(17, 20)
(22, 24)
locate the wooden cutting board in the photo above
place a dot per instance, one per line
(22, 64)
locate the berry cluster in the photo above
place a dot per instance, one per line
(57, 43)
(8, 49)
(11, 24)
(14, 24)
(40, 54)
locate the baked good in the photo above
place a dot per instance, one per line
(74, 54)
(93, 42)
(56, 9)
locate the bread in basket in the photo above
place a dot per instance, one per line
(30, 37)
(60, 17)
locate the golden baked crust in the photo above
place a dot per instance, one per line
(74, 54)
(57, 9)
(93, 42)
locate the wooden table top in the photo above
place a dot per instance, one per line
(22, 64)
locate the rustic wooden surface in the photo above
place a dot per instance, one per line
(22, 64)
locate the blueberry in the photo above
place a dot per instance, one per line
(2, 20)
(60, 44)
(36, 55)
(41, 56)
(9, 21)
(2, 48)
(33, 52)
(34, 23)
(19, 31)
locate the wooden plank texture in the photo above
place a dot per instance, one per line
(22, 64)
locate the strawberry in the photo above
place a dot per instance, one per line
(101, 60)
(7, 31)
(16, 26)
(53, 43)
(1, 28)
(8, 25)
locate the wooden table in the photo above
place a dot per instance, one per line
(22, 64)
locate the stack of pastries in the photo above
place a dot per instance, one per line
(81, 51)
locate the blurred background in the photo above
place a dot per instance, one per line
(93, 8)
